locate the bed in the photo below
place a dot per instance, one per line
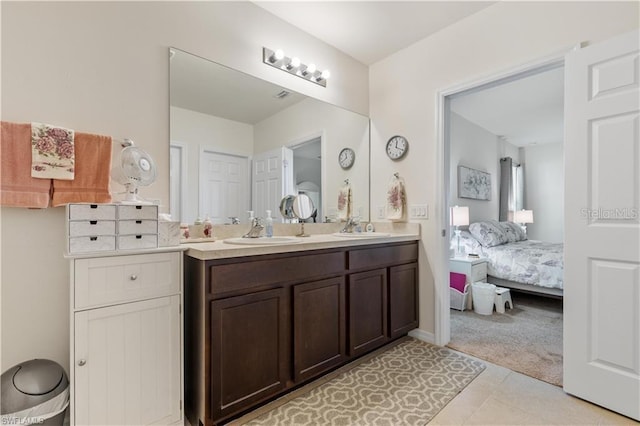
(515, 261)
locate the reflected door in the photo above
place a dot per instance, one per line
(224, 187)
(272, 179)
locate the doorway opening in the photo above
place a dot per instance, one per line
(500, 117)
(307, 172)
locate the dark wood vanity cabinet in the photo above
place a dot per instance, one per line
(249, 349)
(319, 327)
(367, 311)
(258, 326)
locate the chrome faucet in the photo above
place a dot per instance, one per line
(256, 228)
(234, 220)
(348, 227)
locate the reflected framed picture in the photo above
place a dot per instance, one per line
(474, 184)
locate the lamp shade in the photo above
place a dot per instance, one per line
(523, 216)
(459, 216)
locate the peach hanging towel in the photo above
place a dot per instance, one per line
(92, 172)
(17, 187)
(396, 199)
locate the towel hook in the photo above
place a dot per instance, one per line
(346, 181)
(396, 175)
(126, 142)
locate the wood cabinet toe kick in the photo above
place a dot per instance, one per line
(256, 327)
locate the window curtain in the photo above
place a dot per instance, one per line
(511, 188)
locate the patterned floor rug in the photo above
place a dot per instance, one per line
(406, 385)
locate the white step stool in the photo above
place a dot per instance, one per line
(503, 295)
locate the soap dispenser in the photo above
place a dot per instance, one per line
(208, 228)
(268, 225)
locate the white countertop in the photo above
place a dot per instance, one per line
(221, 250)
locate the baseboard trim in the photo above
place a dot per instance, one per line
(423, 335)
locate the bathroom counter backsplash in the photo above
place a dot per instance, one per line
(321, 237)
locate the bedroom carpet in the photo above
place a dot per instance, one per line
(526, 339)
(405, 385)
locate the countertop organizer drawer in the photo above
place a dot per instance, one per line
(137, 227)
(88, 244)
(128, 212)
(136, 242)
(92, 228)
(108, 280)
(92, 212)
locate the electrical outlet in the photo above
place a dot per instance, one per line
(381, 214)
(419, 211)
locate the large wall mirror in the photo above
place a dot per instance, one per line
(239, 143)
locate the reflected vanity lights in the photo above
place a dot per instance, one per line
(277, 59)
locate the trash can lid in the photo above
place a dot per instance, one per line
(38, 376)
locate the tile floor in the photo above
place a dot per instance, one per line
(498, 396)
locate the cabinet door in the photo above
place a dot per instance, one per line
(403, 299)
(127, 363)
(319, 326)
(367, 311)
(248, 350)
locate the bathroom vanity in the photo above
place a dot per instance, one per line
(261, 320)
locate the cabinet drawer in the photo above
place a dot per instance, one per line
(137, 212)
(379, 256)
(92, 228)
(106, 280)
(238, 276)
(92, 244)
(137, 227)
(479, 272)
(92, 212)
(134, 242)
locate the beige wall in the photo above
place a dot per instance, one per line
(103, 67)
(404, 86)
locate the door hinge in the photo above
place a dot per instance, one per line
(444, 232)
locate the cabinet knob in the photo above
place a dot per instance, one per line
(82, 362)
(133, 277)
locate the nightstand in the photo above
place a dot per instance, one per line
(474, 269)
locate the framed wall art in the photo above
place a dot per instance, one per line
(473, 184)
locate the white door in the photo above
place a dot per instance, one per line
(224, 186)
(128, 364)
(602, 225)
(272, 179)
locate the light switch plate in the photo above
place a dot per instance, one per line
(419, 211)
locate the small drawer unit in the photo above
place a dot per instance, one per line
(111, 227)
(474, 269)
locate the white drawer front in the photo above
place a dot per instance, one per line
(92, 228)
(92, 212)
(137, 227)
(108, 280)
(133, 242)
(137, 212)
(479, 272)
(92, 243)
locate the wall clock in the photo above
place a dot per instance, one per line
(397, 147)
(346, 158)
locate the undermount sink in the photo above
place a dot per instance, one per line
(362, 234)
(262, 240)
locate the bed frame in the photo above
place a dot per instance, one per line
(555, 293)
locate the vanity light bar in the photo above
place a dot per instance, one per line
(277, 59)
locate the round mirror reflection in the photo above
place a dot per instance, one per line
(286, 207)
(303, 207)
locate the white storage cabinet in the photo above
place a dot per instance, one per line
(126, 338)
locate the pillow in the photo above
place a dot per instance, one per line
(514, 232)
(488, 233)
(457, 281)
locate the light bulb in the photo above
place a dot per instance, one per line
(276, 56)
(311, 68)
(295, 62)
(325, 74)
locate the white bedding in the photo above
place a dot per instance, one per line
(530, 262)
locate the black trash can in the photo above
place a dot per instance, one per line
(34, 392)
